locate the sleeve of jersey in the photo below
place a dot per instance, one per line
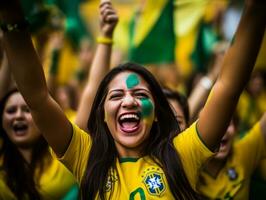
(77, 153)
(192, 151)
(252, 147)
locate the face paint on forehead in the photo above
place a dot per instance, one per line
(132, 80)
(146, 107)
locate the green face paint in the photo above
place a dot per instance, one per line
(132, 81)
(147, 107)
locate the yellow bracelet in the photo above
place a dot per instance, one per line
(104, 40)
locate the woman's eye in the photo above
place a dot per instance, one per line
(11, 110)
(115, 96)
(141, 95)
(26, 109)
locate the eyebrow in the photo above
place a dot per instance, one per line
(133, 89)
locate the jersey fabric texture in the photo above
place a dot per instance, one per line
(233, 180)
(139, 178)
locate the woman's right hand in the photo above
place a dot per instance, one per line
(108, 18)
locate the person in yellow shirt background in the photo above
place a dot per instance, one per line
(252, 101)
(27, 170)
(130, 117)
(228, 174)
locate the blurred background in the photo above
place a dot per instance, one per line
(179, 41)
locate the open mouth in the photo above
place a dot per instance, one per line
(129, 122)
(20, 128)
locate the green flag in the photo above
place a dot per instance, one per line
(151, 34)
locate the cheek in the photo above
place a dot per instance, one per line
(109, 111)
(147, 108)
(6, 120)
(147, 111)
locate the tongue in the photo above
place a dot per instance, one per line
(129, 126)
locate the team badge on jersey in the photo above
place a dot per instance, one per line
(154, 182)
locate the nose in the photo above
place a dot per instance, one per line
(19, 114)
(129, 101)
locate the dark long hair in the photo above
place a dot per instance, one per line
(159, 145)
(19, 173)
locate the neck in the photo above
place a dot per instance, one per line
(123, 152)
(26, 153)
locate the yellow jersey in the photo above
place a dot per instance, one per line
(233, 180)
(139, 178)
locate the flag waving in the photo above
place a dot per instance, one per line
(151, 35)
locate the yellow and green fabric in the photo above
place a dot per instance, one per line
(139, 178)
(233, 180)
(55, 182)
(151, 33)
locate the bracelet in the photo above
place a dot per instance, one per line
(104, 40)
(18, 26)
(206, 83)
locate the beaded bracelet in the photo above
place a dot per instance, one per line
(104, 40)
(18, 26)
(206, 83)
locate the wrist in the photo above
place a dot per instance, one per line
(104, 40)
(206, 83)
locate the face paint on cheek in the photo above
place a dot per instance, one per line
(146, 108)
(132, 81)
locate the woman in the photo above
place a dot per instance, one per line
(130, 117)
(27, 168)
(228, 174)
(131, 123)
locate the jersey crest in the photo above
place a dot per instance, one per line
(154, 183)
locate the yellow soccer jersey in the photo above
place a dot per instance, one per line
(54, 183)
(139, 178)
(233, 180)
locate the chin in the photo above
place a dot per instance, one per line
(130, 144)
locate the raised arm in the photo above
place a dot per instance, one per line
(101, 62)
(235, 72)
(28, 74)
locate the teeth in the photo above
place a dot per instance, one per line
(129, 116)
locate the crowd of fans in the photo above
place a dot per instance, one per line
(217, 94)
